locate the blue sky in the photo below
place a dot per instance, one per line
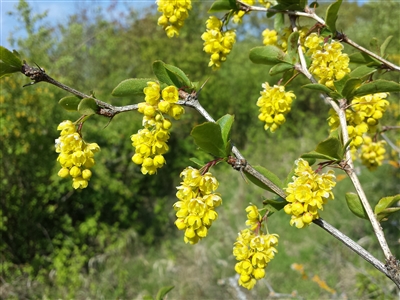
(58, 11)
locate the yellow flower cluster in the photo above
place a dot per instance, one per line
(273, 38)
(218, 43)
(253, 249)
(76, 156)
(328, 62)
(274, 103)
(362, 116)
(174, 14)
(307, 194)
(372, 153)
(195, 209)
(237, 17)
(151, 142)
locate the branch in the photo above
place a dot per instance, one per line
(105, 109)
(356, 248)
(349, 169)
(387, 64)
(309, 13)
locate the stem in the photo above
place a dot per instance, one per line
(386, 63)
(349, 169)
(105, 109)
(355, 247)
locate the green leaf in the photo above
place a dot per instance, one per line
(385, 44)
(197, 161)
(180, 74)
(384, 215)
(292, 47)
(70, 103)
(269, 175)
(362, 58)
(314, 4)
(330, 147)
(208, 137)
(279, 22)
(350, 86)
(9, 62)
(226, 124)
(280, 68)
(274, 205)
(87, 106)
(267, 55)
(374, 44)
(222, 5)
(332, 15)
(355, 205)
(377, 86)
(163, 291)
(385, 203)
(339, 84)
(362, 71)
(318, 87)
(131, 87)
(317, 155)
(164, 75)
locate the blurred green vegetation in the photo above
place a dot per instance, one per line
(116, 239)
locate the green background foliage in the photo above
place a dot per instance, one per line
(116, 239)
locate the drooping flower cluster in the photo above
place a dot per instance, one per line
(273, 38)
(218, 43)
(372, 153)
(237, 17)
(151, 142)
(328, 62)
(362, 116)
(307, 194)
(274, 104)
(195, 209)
(76, 156)
(253, 249)
(174, 14)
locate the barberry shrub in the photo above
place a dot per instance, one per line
(350, 84)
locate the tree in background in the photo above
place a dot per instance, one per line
(358, 98)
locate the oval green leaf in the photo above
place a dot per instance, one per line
(180, 74)
(280, 68)
(208, 137)
(377, 86)
(222, 5)
(355, 205)
(385, 44)
(292, 47)
(70, 103)
(9, 62)
(318, 87)
(87, 106)
(267, 55)
(349, 87)
(163, 291)
(385, 203)
(131, 87)
(332, 15)
(226, 124)
(330, 147)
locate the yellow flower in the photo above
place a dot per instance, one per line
(195, 210)
(74, 155)
(217, 43)
(274, 103)
(175, 12)
(307, 194)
